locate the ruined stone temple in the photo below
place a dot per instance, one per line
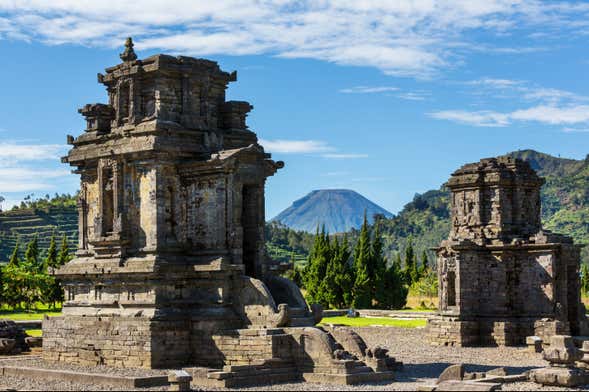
(501, 276)
(171, 269)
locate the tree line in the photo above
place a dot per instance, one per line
(26, 280)
(337, 276)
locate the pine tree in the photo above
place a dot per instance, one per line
(379, 263)
(32, 256)
(314, 274)
(332, 292)
(14, 259)
(64, 252)
(339, 278)
(362, 284)
(347, 277)
(2, 302)
(398, 261)
(410, 271)
(394, 295)
(54, 292)
(424, 268)
(51, 259)
(296, 276)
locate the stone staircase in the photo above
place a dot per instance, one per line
(347, 372)
(269, 371)
(290, 355)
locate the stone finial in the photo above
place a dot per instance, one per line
(129, 53)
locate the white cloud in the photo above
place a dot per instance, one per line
(368, 90)
(10, 186)
(29, 152)
(410, 95)
(344, 156)
(306, 147)
(295, 146)
(478, 118)
(27, 179)
(553, 115)
(413, 96)
(524, 90)
(575, 130)
(550, 106)
(551, 95)
(336, 174)
(409, 38)
(545, 114)
(369, 179)
(29, 167)
(495, 83)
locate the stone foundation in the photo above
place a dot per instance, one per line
(452, 331)
(113, 341)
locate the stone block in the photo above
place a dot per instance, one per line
(179, 380)
(453, 372)
(559, 376)
(534, 344)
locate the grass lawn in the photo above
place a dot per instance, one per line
(16, 316)
(371, 321)
(36, 314)
(35, 332)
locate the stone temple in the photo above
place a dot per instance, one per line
(171, 269)
(501, 276)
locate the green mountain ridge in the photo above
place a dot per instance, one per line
(565, 206)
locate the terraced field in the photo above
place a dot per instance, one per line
(23, 224)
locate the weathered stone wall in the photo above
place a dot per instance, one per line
(90, 341)
(248, 346)
(501, 277)
(135, 341)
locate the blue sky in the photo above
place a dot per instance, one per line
(385, 98)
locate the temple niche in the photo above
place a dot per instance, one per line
(171, 268)
(501, 276)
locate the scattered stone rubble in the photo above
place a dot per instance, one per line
(501, 276)
(171, 269)
(567, 364)
(13, 339)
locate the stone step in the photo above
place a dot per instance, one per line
(302, 321)
(361, 369)
(263, 379)
(273, 363)
(348, 379)
(252, 372)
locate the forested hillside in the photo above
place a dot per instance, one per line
(39, 217)
(565, 207)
